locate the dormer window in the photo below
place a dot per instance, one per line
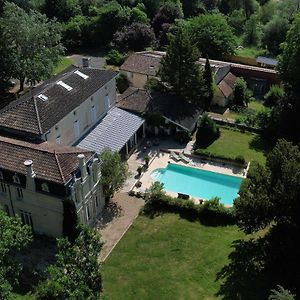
(45, 187)
(16, 179)
(1, 175)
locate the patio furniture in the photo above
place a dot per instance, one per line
(184, 158)
(174, 156)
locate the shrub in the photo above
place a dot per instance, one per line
(241, 95)
(274, 95)
(239, 159)
(114, 57)
(139, 170)
(211, 212)
(122, 83)
(207, 131)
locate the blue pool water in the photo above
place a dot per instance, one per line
(198, 183)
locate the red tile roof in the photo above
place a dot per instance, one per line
(51, 162)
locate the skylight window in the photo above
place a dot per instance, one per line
(43, 97)
(82, 75)
(64, 85)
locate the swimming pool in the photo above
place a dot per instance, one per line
(198, 183)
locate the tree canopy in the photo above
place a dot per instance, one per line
(76, 273)
(14, 236)
(31, 49)
(180, 70)
(113, 172)
(212, 35)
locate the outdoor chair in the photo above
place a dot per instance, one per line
(174, 156)
(184, 158)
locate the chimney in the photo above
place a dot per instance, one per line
(30, 175)
(82, 166)
(86, 62)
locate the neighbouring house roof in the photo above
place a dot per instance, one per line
(113, 132)
(147, 63)
(39, 110)
(267, 61)
(226, 85)
(177, 110)
(51, 162)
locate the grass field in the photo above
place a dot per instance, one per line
(168, 258)
(64, 63)
(233, 143)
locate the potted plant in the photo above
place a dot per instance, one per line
(139, 170)
(147, 159)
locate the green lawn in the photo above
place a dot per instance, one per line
(233, 143)
(63, 64)
(256, 106)
(168, 258)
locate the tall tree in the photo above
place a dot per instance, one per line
(32, 48)
(13, 236)
(209, 84)
(76, 273)
(212, 35)
(113, 172)
(179, 68)
(167, 14)
(289, 70)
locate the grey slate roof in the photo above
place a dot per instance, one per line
(267, 61)
(115, 129)
(33, 115)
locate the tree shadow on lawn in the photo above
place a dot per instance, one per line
(262, 144)
(258, 265)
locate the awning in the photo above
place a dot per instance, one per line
(113, 132)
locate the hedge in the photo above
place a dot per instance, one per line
(238, 159)
(210, 213)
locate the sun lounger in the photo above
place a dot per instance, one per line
(174, 156)
(184, 158)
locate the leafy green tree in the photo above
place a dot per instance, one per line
(193, 8)
(241, 94)
(275, 34)
(237, 20)
(289, 60)
(114, 57)
(76, 273)
(274, 95)
(209, 84)
(272, 193)
(122, 83)
(13, 237)
(250, 6)
(113, 172)
(136, 37)
(212, 35)
(32, 48)
(289, 70)
(137, 15)
(179, 69)
(110, 18)
(73, 33)
(62, 10)
(167, 14)
(252, 31)
(207, 131)
(281, 294)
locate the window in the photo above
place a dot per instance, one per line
(97, 203)
(26, 218)
(3, 187)
(45, 187)
(58, 140)
(20, 193)
(16, 179)
(93, 114)
(77, 128)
